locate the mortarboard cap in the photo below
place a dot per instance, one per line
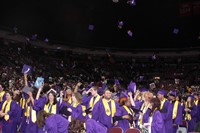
(175, 31)
(192, 96)
(91, 27)
(117, 82)
(152, 85)
(52, 91)
(26, 69)
(39, 81)
(27, 89)
(173, 93)
(132, 87)
(162, 92)
(144, 90)
(120, 24)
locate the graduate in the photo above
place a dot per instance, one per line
(104, 110)
(197, 103)
(68, 96)
(8, 114)
(144, 115)
(155, 123)
(2, 93)
(190, 113)
(30, 115)
(18, 109)
(53, 123)
(93, 126)
(124, 115)
(76, 109)
(177, 113)
(94, 98)
(166, 110)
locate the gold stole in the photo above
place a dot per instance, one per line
(162, 103)
(53, 111)
(107, 108)
(187, 115)
(175, 110)
(22, 102)
(83, 110)
(144, 109)
(129, 112)
(139, 98)
(70, 100)
(6, 117)
(1, 95)
(33, 113)
(95, 101)
(196, 102)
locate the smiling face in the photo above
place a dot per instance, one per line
(107, 94)
(51, 97)
(8, 96)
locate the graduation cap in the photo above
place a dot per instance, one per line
(39, 81)
(173, 93)
(120, 24)
(130, 33)
(162, 92)
(52, 91)
(132, 87)
(191, 96)
(144, 90)
(27, 89)
(26, 69)
(152, 85)
(91, 27)
(175, 31)
(117, 82)
(176, 81)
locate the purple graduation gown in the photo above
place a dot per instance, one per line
(99, 114)
(9, 126)
(192, 123)
(124, 123)
(77, 113)
(157, 125)
(18, 116)
(56, 124)
(93, 126)
(179, 117)
(166, 113)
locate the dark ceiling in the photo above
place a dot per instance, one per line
(151, 21)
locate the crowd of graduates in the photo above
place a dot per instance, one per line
(95, 108)
(92, 96)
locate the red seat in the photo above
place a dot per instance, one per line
(133, 130)
(115, 130)
(185, 124)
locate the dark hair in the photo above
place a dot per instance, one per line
(41, 117)
(76, 126)
(18, 97)
(10, 92)
(54, 100)
(155, 105)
